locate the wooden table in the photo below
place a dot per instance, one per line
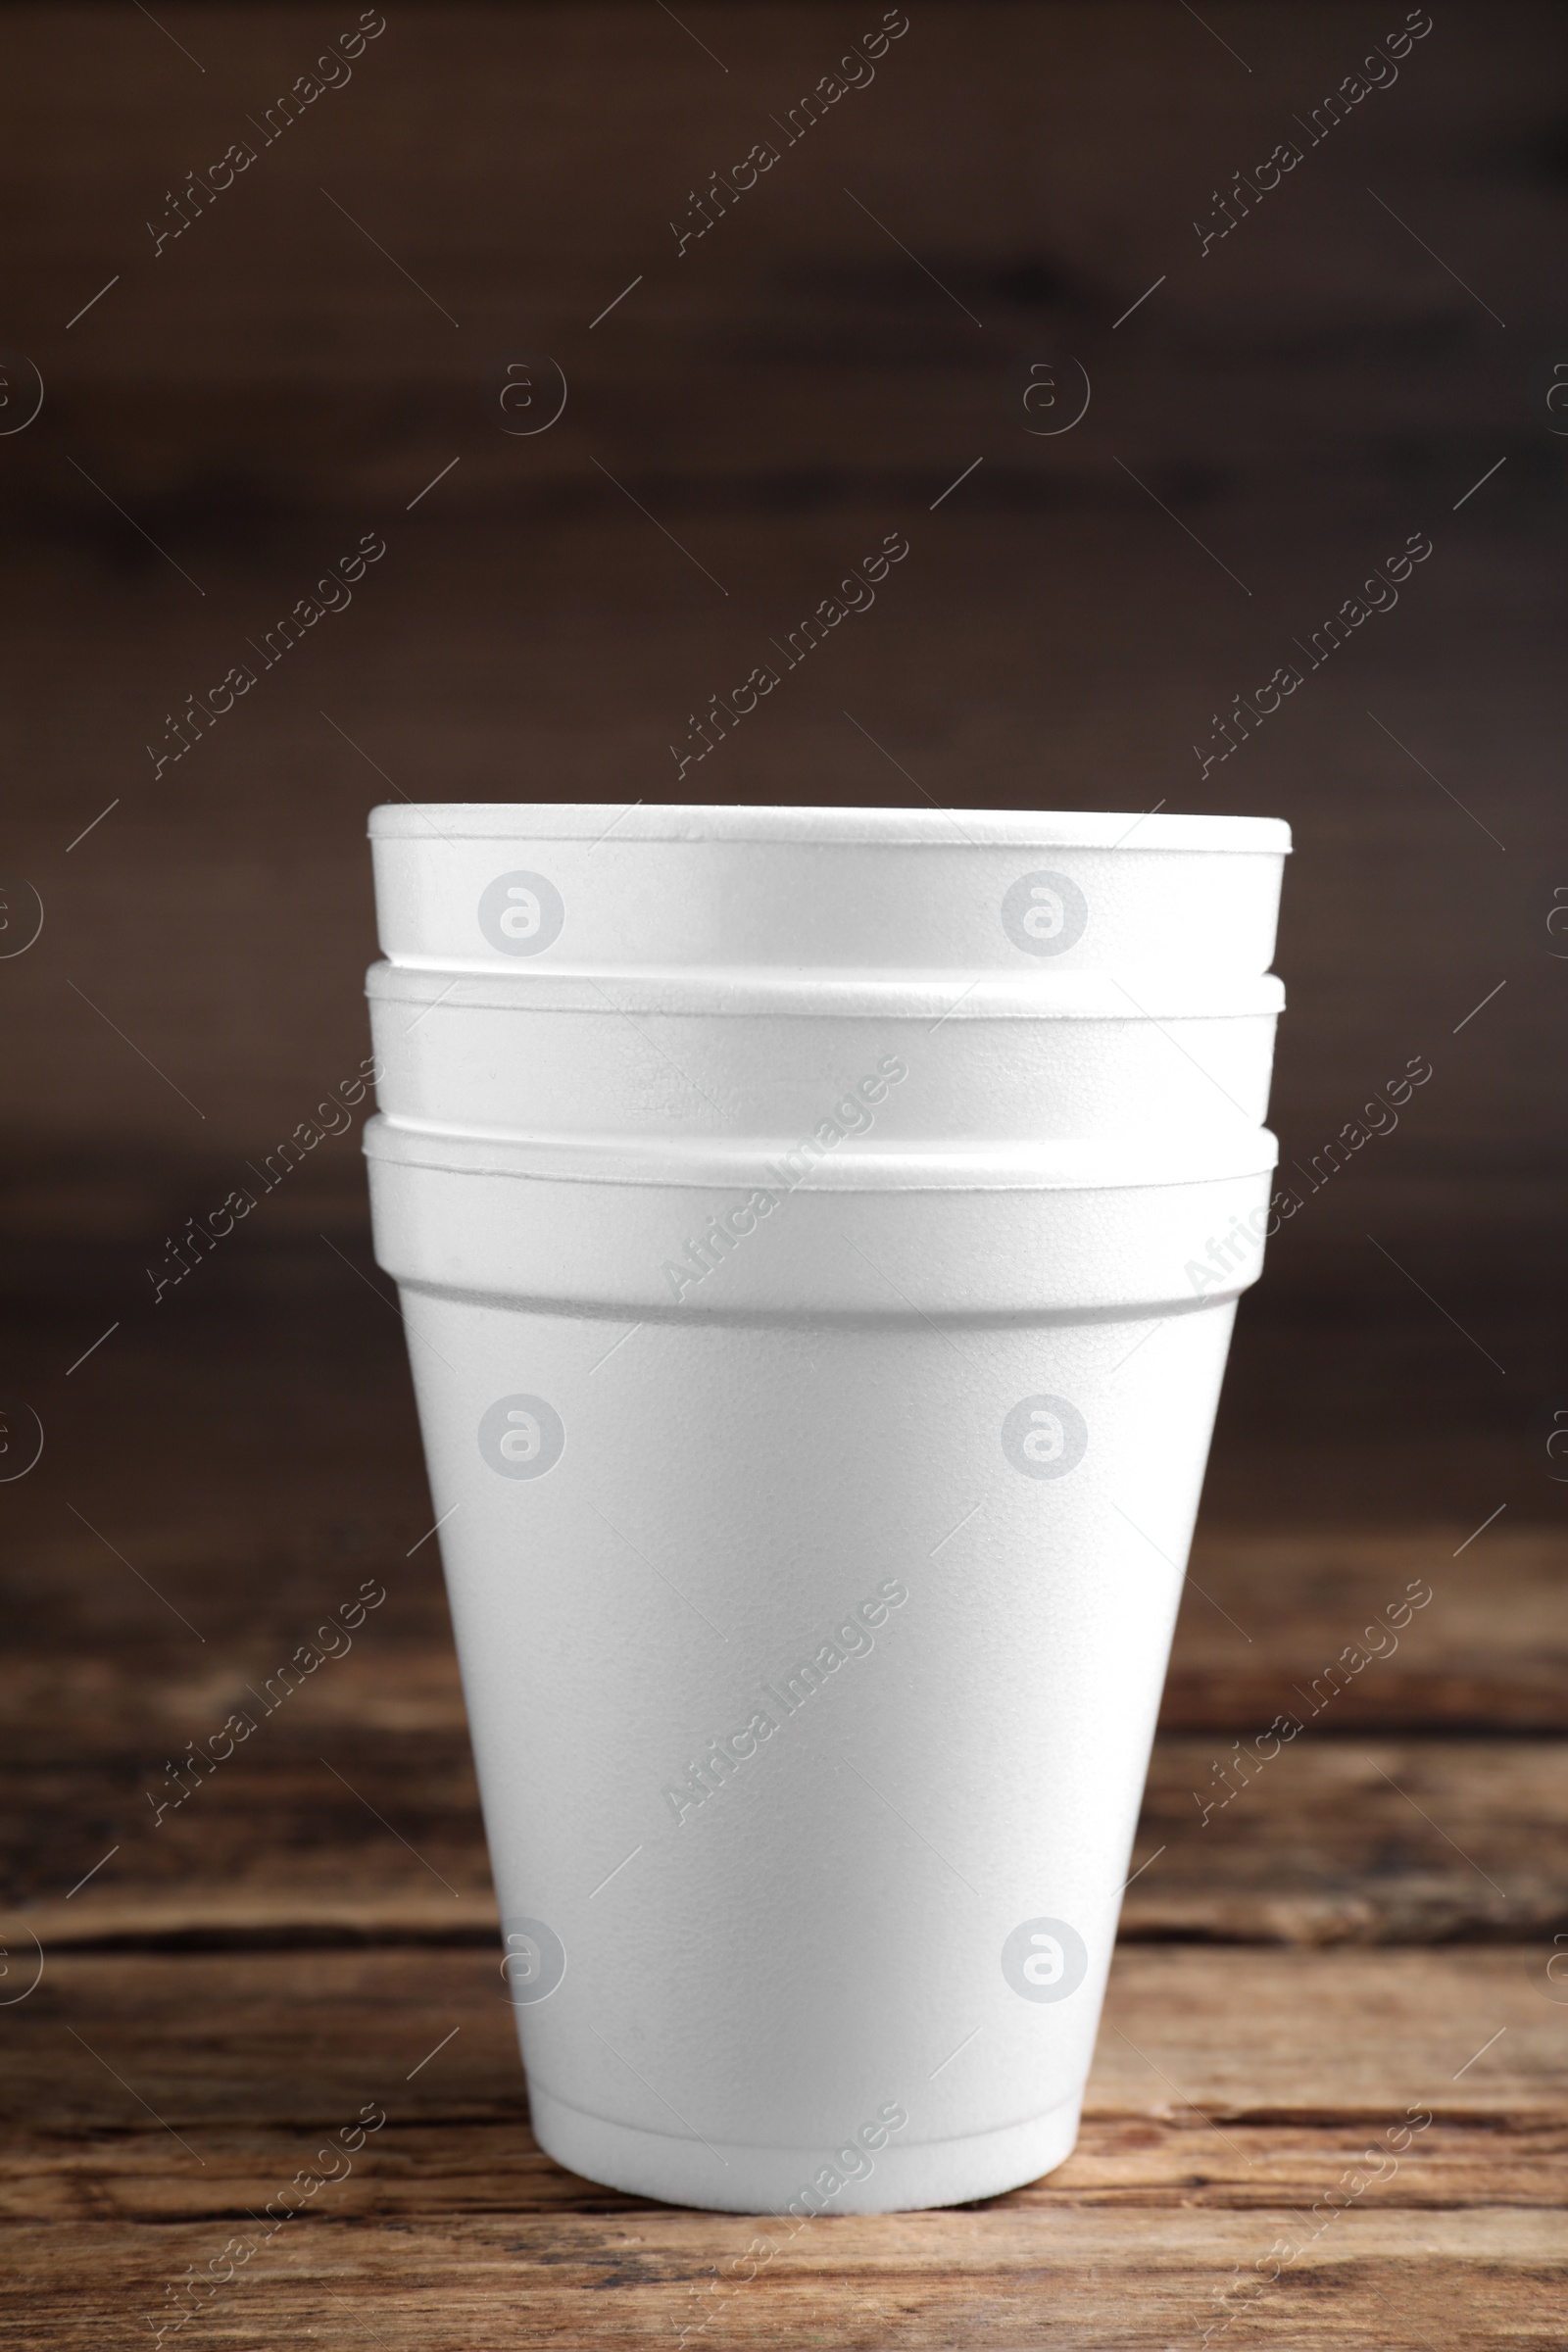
(1360, 1940)
(1363, 1936)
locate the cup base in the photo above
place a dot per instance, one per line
(730, 2178)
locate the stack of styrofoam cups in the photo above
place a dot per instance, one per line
(818, 1232)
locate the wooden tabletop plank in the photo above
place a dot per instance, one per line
(1310, 1625)
(1388, 2282)
(1328, 1840)
(1322, 1839)
(432, 2171)
(226, 2042)
(1305, 1624)
(1221, 2180)
(241, 1458)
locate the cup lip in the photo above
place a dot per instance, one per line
(955, 830)
(729, 1166)
(765, 993)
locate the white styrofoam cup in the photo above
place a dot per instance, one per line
(815, 1364)
(602, 889)
(691, 1058)
(813, 1631)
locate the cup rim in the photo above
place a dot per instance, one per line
(955, 830)
(762, 993)
(727, 1165)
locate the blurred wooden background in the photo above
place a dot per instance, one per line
(271, 384)
(313, 359)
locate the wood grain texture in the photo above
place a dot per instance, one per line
(1212, 2132)
(1364, 1927)
(1265, 1618)
(1465, 2280)
(218, 1480)
(270, 381)
(163, 1585)
(424, 2170)
(1269, 1612)
(1334, 1841)
(283, 2040)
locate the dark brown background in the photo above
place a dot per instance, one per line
(1305, 397)
(270, 387)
